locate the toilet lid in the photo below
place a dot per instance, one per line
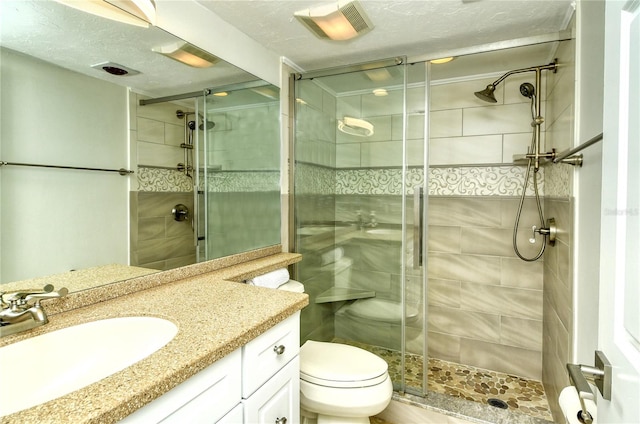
(376, 309)
(339, 365)
(292, 286)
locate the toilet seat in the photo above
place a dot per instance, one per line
(340, 366)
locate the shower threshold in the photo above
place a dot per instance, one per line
(457, 387)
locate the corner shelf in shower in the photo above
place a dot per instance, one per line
(339, 294)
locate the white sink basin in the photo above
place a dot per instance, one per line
(51, 365)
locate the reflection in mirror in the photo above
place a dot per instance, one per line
(59, 110)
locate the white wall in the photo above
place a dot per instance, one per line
(588, 179)
(55, 220)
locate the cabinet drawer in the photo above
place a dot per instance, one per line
(278, 400)
(204, 398)
(235, 416)
(266, 354)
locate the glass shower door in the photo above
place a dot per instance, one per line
(240, 162)
(359, 154)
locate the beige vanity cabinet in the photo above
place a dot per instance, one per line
(258, 383)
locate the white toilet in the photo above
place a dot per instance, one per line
(340, 384)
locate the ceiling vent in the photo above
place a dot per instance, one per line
(340, 21)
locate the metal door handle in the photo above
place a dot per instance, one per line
(418, 210)
(279, 350)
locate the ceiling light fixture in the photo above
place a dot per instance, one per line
(339, 21)
(140, 13)
(355, 126)
(442, 60)
(188, 54)
(380, 92)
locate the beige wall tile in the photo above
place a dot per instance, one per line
(174, 135)
(444, 239)
(150, 131)
(444, 346)
(498, 357)
(445, 123)
(515, 144)
(478, 269)
(519, 332)
(444, 293)
(465, 211)
(514, 302)
(458, 95)
(514, 118)
(515, 272)
(453, 321)
(465, 150)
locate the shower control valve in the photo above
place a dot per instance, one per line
(549, 231)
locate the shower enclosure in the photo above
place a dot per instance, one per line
(208, 175)
(407, 189)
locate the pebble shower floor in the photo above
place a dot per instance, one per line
(467, 382)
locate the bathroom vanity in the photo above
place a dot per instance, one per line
(233, 358)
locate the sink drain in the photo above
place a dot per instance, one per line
(497, 403)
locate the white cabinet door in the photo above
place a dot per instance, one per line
(204, 398)
(619, 320)
(277, 401)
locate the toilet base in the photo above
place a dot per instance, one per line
(308, 417)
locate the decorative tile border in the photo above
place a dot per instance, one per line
(312, 179)
(559, 181)
(463, 181)
(153, 179)
(168, 180)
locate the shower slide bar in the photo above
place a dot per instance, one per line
(570, 157)
(120, 171)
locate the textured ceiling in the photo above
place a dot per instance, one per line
(402, 27)
(414, 28)
(76, 40)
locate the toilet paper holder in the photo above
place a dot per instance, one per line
(600, 374)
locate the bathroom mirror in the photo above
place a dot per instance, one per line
(61, 43)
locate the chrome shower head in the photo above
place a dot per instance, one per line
(487, 94)
(527, 90)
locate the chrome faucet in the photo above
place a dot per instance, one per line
(372, 220)
(21, 310)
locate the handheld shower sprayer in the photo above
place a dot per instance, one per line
(527, 90)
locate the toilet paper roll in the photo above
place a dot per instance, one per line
(570, 405)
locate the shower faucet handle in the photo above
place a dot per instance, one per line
(532, 240)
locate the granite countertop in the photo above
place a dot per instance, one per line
(214, 317)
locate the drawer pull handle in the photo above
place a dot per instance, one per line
(282, 420)
(279, 350)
